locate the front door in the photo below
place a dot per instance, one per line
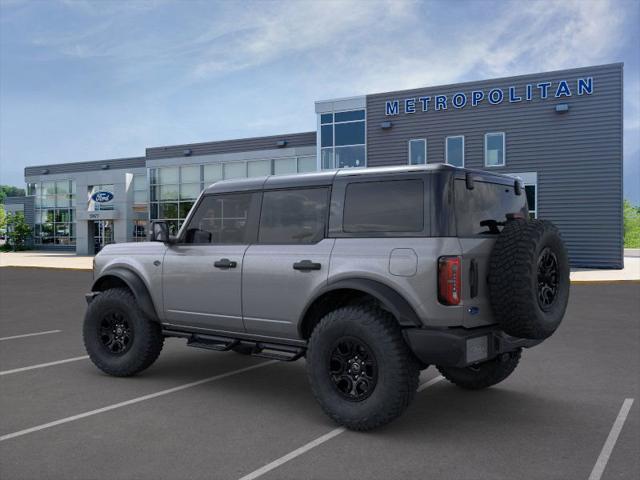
(102, 234)
(202, 272)
(289, 263)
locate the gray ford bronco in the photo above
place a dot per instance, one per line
(370, 274)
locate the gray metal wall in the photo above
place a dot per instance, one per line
(79, 167)
(577, 155)
(232, 146)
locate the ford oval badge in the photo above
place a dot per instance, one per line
(102, 197)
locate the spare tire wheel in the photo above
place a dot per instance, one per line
(529, 278)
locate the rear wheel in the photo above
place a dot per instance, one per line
(119, 338)
(360, 369)
(484, 374)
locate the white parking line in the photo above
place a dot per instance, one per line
(131, 402)
(29, 335)
(314, 443)
(603, 458)
(42, 365)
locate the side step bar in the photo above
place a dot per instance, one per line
(274, 351)
(211, 342)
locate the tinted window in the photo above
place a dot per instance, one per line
(220, 219)
(350, 156)
(494, 149)
(486, 202)
(293, 216)
(388, 206)
(349, 116)
(417, 152)
(455, 151)
(530, 190)
(349, 133)
(326, 118)
(327, 135)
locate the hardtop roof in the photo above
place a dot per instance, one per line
(327, 177)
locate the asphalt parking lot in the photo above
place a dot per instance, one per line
(199, 414)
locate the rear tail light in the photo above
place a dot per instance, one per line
(449, 280)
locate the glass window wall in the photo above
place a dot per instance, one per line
(55, 212)
(342, 139)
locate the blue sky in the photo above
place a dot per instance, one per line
(87, 80)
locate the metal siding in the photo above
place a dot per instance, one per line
(231, 146)
(577, 155)
(113, 164)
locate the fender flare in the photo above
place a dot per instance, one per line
(135, 284)
(387, 296)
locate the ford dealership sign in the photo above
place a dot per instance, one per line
(493, 96)
(102, 197)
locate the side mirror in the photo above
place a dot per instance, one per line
(160, 232)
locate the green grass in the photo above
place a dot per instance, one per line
(631, 225)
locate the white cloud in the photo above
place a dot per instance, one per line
(349, 44)
(279, 30)
(310, 50)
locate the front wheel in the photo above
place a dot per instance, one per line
(485, 374)
(360, 369)
(119, 338)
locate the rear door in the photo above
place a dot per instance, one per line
(202, 273)
(480, 212)
(289, 262)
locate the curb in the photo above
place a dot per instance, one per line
(76, 269)
(606, 282)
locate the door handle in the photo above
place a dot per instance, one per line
(225, 263)
(306, 265)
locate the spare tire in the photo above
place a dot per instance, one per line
(529, 279)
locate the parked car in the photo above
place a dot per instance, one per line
(370, 274)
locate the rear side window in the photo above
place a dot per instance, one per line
(221, 219)
(385, 206)
(293, 216)
(479, 210)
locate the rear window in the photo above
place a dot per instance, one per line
(293, 216)
(385, 206)
(486, 204)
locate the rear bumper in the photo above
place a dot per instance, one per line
(461, 347)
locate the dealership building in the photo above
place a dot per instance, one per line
(561, 132)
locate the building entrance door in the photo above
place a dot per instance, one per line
(102, 234)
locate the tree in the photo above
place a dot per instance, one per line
(18, 230)
(631, 225)
(3, 218)
(10, 191)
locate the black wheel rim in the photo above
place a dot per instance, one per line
(116, 332)
(547, 279)
(353, 369)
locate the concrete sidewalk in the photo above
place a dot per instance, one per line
(46, 259)
(630, 273)
(68, 260)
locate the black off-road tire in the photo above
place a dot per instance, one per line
(484, 374)
(397, 371)
(518, 273)
(145, 339)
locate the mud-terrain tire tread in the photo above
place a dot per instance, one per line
(402, 368)
(513, 279)
(488, 374)
(148, 339)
